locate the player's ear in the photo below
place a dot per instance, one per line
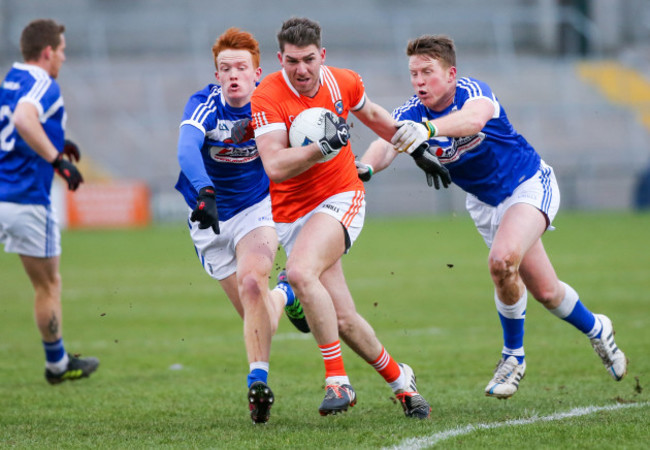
(452, 73)
(216, 75)
(280, 57)
(46, 53)
(322, 54)
(258, 74)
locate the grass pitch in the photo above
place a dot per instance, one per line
(173, 368)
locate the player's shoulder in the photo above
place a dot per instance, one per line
(341, 74)
(472, 87)
(210, 93)
(272, 88)
(410, 107)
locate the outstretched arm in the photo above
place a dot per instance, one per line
(379, 155)
(467, 121)
(377, 119)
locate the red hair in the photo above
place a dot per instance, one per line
(234, 38)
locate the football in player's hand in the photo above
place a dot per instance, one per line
(309, 127)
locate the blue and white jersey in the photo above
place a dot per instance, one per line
(25, 177)
(489, 164)
(235, 170)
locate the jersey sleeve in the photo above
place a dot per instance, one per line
(410, 110)
(266, 113)
(199, 110)
(469, 89)
(45, 95)
(354, 90)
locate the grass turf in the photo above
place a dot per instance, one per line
(139, 301)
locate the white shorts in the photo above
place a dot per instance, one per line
(349, 208)
(30, 230)
(217, 251)
(540, 190)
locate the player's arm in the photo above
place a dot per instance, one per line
(467, 121)
(205, 212)
(377, 119)
(190, 141)
(282, 162)
(378, 156)
(29, 126)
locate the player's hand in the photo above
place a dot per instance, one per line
(242, 131)
(68, 171)
(337, 134)
(409, 136)
(363, 170)
(205, 211)
(427, 161)
(71, 150)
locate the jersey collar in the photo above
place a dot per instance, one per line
(290, 86)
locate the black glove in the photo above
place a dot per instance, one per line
(364, 171)
(68, 171)
(337, 133)
(428, 162)
(242, 131)
(71, 150)
(206, 210)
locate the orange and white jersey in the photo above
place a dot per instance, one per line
(275, 103)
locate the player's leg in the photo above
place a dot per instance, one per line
(46, 281)
(32, 232)
(564, 302)
(255, 255)
(360, 337)
(520, 227)
(319, 244)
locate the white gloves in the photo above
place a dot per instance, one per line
(410, 135)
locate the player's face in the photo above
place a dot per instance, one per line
(237, 76)
(302, 66)
(433, 82)
(57, 57)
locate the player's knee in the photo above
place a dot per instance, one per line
(546, 295)
(503, 267)
(346, 326)
(300, 278)
(250, 290)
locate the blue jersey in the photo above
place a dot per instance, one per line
(25, 177)
(489, 164)
(235, 170)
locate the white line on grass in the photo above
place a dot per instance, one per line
(429, 441)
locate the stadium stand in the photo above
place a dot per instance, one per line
(132, 65)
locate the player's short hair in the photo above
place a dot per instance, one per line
(38, 35)
(299, 31)
(437, 46)
(234, 38)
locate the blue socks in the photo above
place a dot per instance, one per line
(259, 371)
(574, 312)
(54, 351)
(286, 288)
(512, 322)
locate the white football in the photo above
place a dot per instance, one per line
(309, 127)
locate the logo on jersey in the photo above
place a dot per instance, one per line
(339, 107)
(449, 150)
(237, 155)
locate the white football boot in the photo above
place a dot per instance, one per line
(507, 376)
(612, 357)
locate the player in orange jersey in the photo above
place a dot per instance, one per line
(318, 205)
